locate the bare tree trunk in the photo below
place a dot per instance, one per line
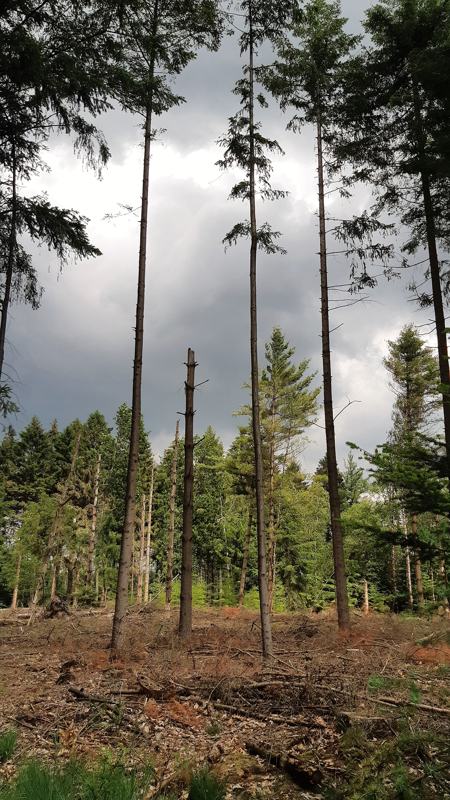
(16, 583)
(141, 566)
(271, 530)
(433, 595)
(55, 576)
(245, 555)
(366, 598)
(419, 583)
(394, 569)
(93, 531)
(408, 578)
(185, 624)
(266, 625)
(333, 485)
(443, 576)
(149, 539)
(126, 546)
(435, 274)
(10, 261)
(171, 530)
(132, 573)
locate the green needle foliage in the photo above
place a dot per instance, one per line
(8, 741)
(205, 786)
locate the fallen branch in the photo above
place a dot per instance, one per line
(304, 777)
(390, 701)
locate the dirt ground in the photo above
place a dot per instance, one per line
(274, 731)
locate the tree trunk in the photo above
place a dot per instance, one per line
(9, 262)
(55, 576)
(16, 583)
(419, 583)
(141, 566)
(171, 530)
(333, 485)
(245, 556)
(266, 625)
(271, 531)
(435, 274)
(408, 577)
(185, 624)
(93, 531)
(443, 576)
(366, 598)
(433, 595)
(149, 539)
(394, 569)
(126, 545)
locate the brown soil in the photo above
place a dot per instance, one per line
(213, 700)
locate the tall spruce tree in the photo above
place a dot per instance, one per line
(306, 78)
(246, 148)
(394, 121)
(162, 36)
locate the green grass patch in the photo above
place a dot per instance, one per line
(8, 742)
(205, 786)
(73, 781)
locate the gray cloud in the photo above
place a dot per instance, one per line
(75, 354)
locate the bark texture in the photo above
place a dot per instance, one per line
(185, 623)
(333, 485)
(266, 625)
(126, 546)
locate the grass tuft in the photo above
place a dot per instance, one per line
(8, 741)
(205, 786)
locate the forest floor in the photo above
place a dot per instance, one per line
(327, 717)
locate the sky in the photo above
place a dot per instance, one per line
(74, 355)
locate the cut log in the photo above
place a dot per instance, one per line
(307, 776)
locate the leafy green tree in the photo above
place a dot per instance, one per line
(209, 542)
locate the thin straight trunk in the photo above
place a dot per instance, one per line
(171, 530)
(9, 262)
(185, 624)
(16, 583)
(245, 556)
(435, 274)
(70, 580)
(141, 565)
(366, 598)
(93, 531)
(433, 595)
(126, 545)
(266, 625)
(417, 566)
(149, 539)
(419, 582)
(443, 576)
(394, 569)
(55, 576)
(75, 585)
(333, 486)
(132, 574)
(96, 586)
(408, 571)
(271, 531)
